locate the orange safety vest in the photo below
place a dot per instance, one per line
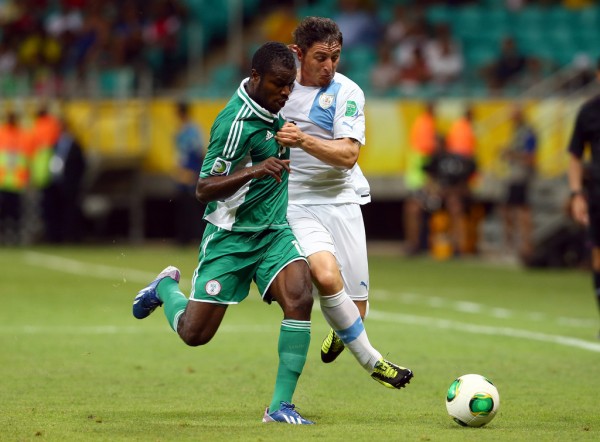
(422, 145)
(461, 138)
(422, 134)
(44, 135)
(14, 158)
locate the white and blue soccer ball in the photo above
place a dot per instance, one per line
(472, 400)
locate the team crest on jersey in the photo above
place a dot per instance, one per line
(220, 167)
(282, 150)
(326, 100)
(351, 108)
(213, 287)
(269, 135)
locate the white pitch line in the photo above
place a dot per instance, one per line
(68, 265)
(108, 272)
(479, 309)
(484, 329)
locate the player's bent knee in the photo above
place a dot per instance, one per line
(328, 281)
(195, 339)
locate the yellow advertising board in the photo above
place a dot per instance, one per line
(146, 129)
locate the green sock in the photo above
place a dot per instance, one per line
(174, 302)
(294, 339)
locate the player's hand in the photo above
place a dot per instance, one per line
(290, 136)
(272, 166)
(579, 209)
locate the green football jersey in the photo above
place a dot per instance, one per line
(241, 136)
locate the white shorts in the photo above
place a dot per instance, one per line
(338, 229)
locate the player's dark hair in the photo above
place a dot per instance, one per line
(270, 54)
(313, 30)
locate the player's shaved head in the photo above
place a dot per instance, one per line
(272, 54)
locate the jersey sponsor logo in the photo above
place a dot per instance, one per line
(326, 100)
(269, 135)
(351, 108)
(213, 287)
(220, 167)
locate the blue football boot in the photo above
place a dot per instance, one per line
(147, 299)
(286, 414)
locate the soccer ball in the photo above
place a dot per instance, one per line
(472, 400)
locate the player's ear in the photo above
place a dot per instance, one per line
(296, 50)
(254, 76)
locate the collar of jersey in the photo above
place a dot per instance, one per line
(254, 106)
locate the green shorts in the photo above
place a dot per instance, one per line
(229, 261)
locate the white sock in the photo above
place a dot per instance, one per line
(343, 316)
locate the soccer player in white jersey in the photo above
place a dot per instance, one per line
(326, 128)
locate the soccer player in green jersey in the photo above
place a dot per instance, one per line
(244, 183)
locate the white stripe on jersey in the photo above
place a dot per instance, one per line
(235, 132)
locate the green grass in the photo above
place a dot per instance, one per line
(75, 365)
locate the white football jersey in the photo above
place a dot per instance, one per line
(331, 112)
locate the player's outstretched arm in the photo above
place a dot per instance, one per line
(220, 187)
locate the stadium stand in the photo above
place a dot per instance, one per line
(159, 50)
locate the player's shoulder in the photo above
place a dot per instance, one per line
(347, 84)
(591, 106)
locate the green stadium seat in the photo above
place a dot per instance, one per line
(477, 56)
(558, 16)
(225, 78)
(360, 57)
(116, 82)
(530, 17)
(440, 14)
(586, 18)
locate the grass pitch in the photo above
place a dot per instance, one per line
(75, 365)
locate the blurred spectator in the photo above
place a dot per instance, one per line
(39, 49)
(515, 5)
(43, 136)
(510, 66)
(358, 23)
(424, 141)
(451, 168)
(516, 210)
(74, 39)
(14, 178)
(580, 74)
(160, 35)
(398, 27)
(415, 73)
(67, 17)
(461, 138)
(128, 35)
(416, 36)
(8, 58)
(63, 196)
(93, 40)
(385, 73)
(444, 57)
(188, 143)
